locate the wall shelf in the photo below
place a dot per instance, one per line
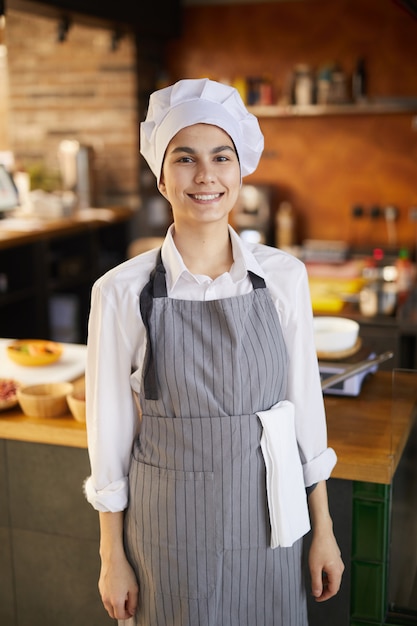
(379, 106)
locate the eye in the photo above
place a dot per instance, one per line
(185, 159)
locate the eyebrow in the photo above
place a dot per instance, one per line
(189, 150)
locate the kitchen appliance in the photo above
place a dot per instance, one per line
(345, 379)
(9, 198)
(76, 162)
(253, 215)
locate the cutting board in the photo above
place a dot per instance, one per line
(69, 367)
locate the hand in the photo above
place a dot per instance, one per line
(118, 589)
(326, 566)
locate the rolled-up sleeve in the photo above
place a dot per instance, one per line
(320, 467)
(304, 386)
(111, 412)
(112, 498)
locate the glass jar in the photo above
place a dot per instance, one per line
(303, 85)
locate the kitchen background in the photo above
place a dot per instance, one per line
(335, 166)
(83, 87)
(91, 87)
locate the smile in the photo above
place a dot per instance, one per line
(205, 197)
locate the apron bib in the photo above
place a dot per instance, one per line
(197, 530)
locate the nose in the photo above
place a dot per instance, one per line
(205, 173)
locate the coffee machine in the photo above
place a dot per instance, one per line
(253, 216)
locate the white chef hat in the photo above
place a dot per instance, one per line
(196, 101)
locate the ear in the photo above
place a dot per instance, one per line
(162, 187)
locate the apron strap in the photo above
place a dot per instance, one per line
(257, 281)
(157, 288)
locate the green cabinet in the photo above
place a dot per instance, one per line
(370, 549)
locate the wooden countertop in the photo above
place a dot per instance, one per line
(368, 432)
(11, 236)
(58, 431)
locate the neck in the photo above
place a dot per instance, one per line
(207, 252)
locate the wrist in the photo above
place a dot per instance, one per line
(322, 526)
(112, 554)
(111, 537)
(321, 521)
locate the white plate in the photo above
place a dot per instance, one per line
(69, 367)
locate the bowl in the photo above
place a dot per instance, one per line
(34, 352)
(47, 400)
(8, 393)
(76, 403)
(335, 334)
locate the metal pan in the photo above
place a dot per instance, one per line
(351, 370)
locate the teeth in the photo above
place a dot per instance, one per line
(211, 196)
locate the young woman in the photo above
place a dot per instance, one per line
(206, 426)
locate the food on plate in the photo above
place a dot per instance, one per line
(33, 352)
(8, 391)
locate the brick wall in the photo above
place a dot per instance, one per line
(78, 89)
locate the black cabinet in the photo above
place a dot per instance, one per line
(19, 277)
(45, 283)
(382, 336)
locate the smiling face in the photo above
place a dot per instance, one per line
(200, 175)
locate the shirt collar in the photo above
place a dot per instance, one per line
(243, 260)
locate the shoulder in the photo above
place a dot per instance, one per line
(128, 277)
(287, 280)
(273, 260)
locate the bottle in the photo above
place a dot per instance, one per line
(324, 81)
(303, 85)
(284, 226)
(405, 274)
(339, 91)
(240, 83)
(359, 83)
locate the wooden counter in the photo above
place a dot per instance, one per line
(366, 433)
(360, 430)
(11, 236)
(60, 431)
(369, 432)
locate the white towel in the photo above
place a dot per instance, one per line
(287, 499)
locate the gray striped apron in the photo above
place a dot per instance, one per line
(196, 530)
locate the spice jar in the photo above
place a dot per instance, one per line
(303, 85)
(378, 298)
(284, 226)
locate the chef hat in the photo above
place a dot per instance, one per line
(196, 101)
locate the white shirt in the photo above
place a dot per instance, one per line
(117, 342)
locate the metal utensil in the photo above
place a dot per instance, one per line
(351, 370)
